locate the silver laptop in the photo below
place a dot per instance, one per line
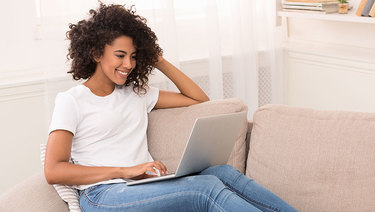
(210, 143)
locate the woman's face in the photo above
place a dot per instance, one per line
(118, 59)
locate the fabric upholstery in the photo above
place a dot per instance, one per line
(34, 195)
(169, 130)
(315, 160)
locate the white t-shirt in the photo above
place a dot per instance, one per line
(108, 131)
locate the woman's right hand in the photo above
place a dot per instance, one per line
(139, 171)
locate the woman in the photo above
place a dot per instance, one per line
(101, 125)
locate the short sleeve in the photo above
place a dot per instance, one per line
(152, 96)
(65, 114)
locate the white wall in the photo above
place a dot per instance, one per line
(22, 112)
(330, 65)
(24, 115)
(25, 104)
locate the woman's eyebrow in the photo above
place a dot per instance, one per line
(121, 51)
(124, 51)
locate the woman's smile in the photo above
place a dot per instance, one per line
(123, 72)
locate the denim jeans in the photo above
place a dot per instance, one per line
(218, 188)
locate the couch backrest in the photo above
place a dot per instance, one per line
(315, 160)
(169, 130)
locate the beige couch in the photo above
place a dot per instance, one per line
(315, 160)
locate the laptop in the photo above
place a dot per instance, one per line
(210, 143)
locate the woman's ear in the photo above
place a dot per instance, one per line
(95, 55)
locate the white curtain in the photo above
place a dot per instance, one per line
(227, 47)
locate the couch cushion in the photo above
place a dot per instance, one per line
(169, 130)
(34, 195)
(315, 160)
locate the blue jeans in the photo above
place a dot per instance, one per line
(218, 188)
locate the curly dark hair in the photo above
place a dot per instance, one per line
(89, 37)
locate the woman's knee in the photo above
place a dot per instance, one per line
(204, 191)
(219, 169)
(207, 180)
(206, 183)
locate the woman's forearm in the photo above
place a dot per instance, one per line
(186, 86)
(58, 170)
(72, 174)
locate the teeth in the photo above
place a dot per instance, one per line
(123, 73)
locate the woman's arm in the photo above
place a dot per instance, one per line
(190, 94)
(58, 170)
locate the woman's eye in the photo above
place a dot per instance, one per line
(134, 57)
(120, 56)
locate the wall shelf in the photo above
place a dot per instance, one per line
(350, 17)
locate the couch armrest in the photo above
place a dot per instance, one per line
(34, 195)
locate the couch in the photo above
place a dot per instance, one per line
(315, 160)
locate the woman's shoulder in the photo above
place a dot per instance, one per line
(71, 95)
(77, 91)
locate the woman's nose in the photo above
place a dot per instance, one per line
(126, 63)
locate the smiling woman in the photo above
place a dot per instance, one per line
(102, 124)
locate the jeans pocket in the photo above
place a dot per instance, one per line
(90, 189)
(95, 194)
(92, 194)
